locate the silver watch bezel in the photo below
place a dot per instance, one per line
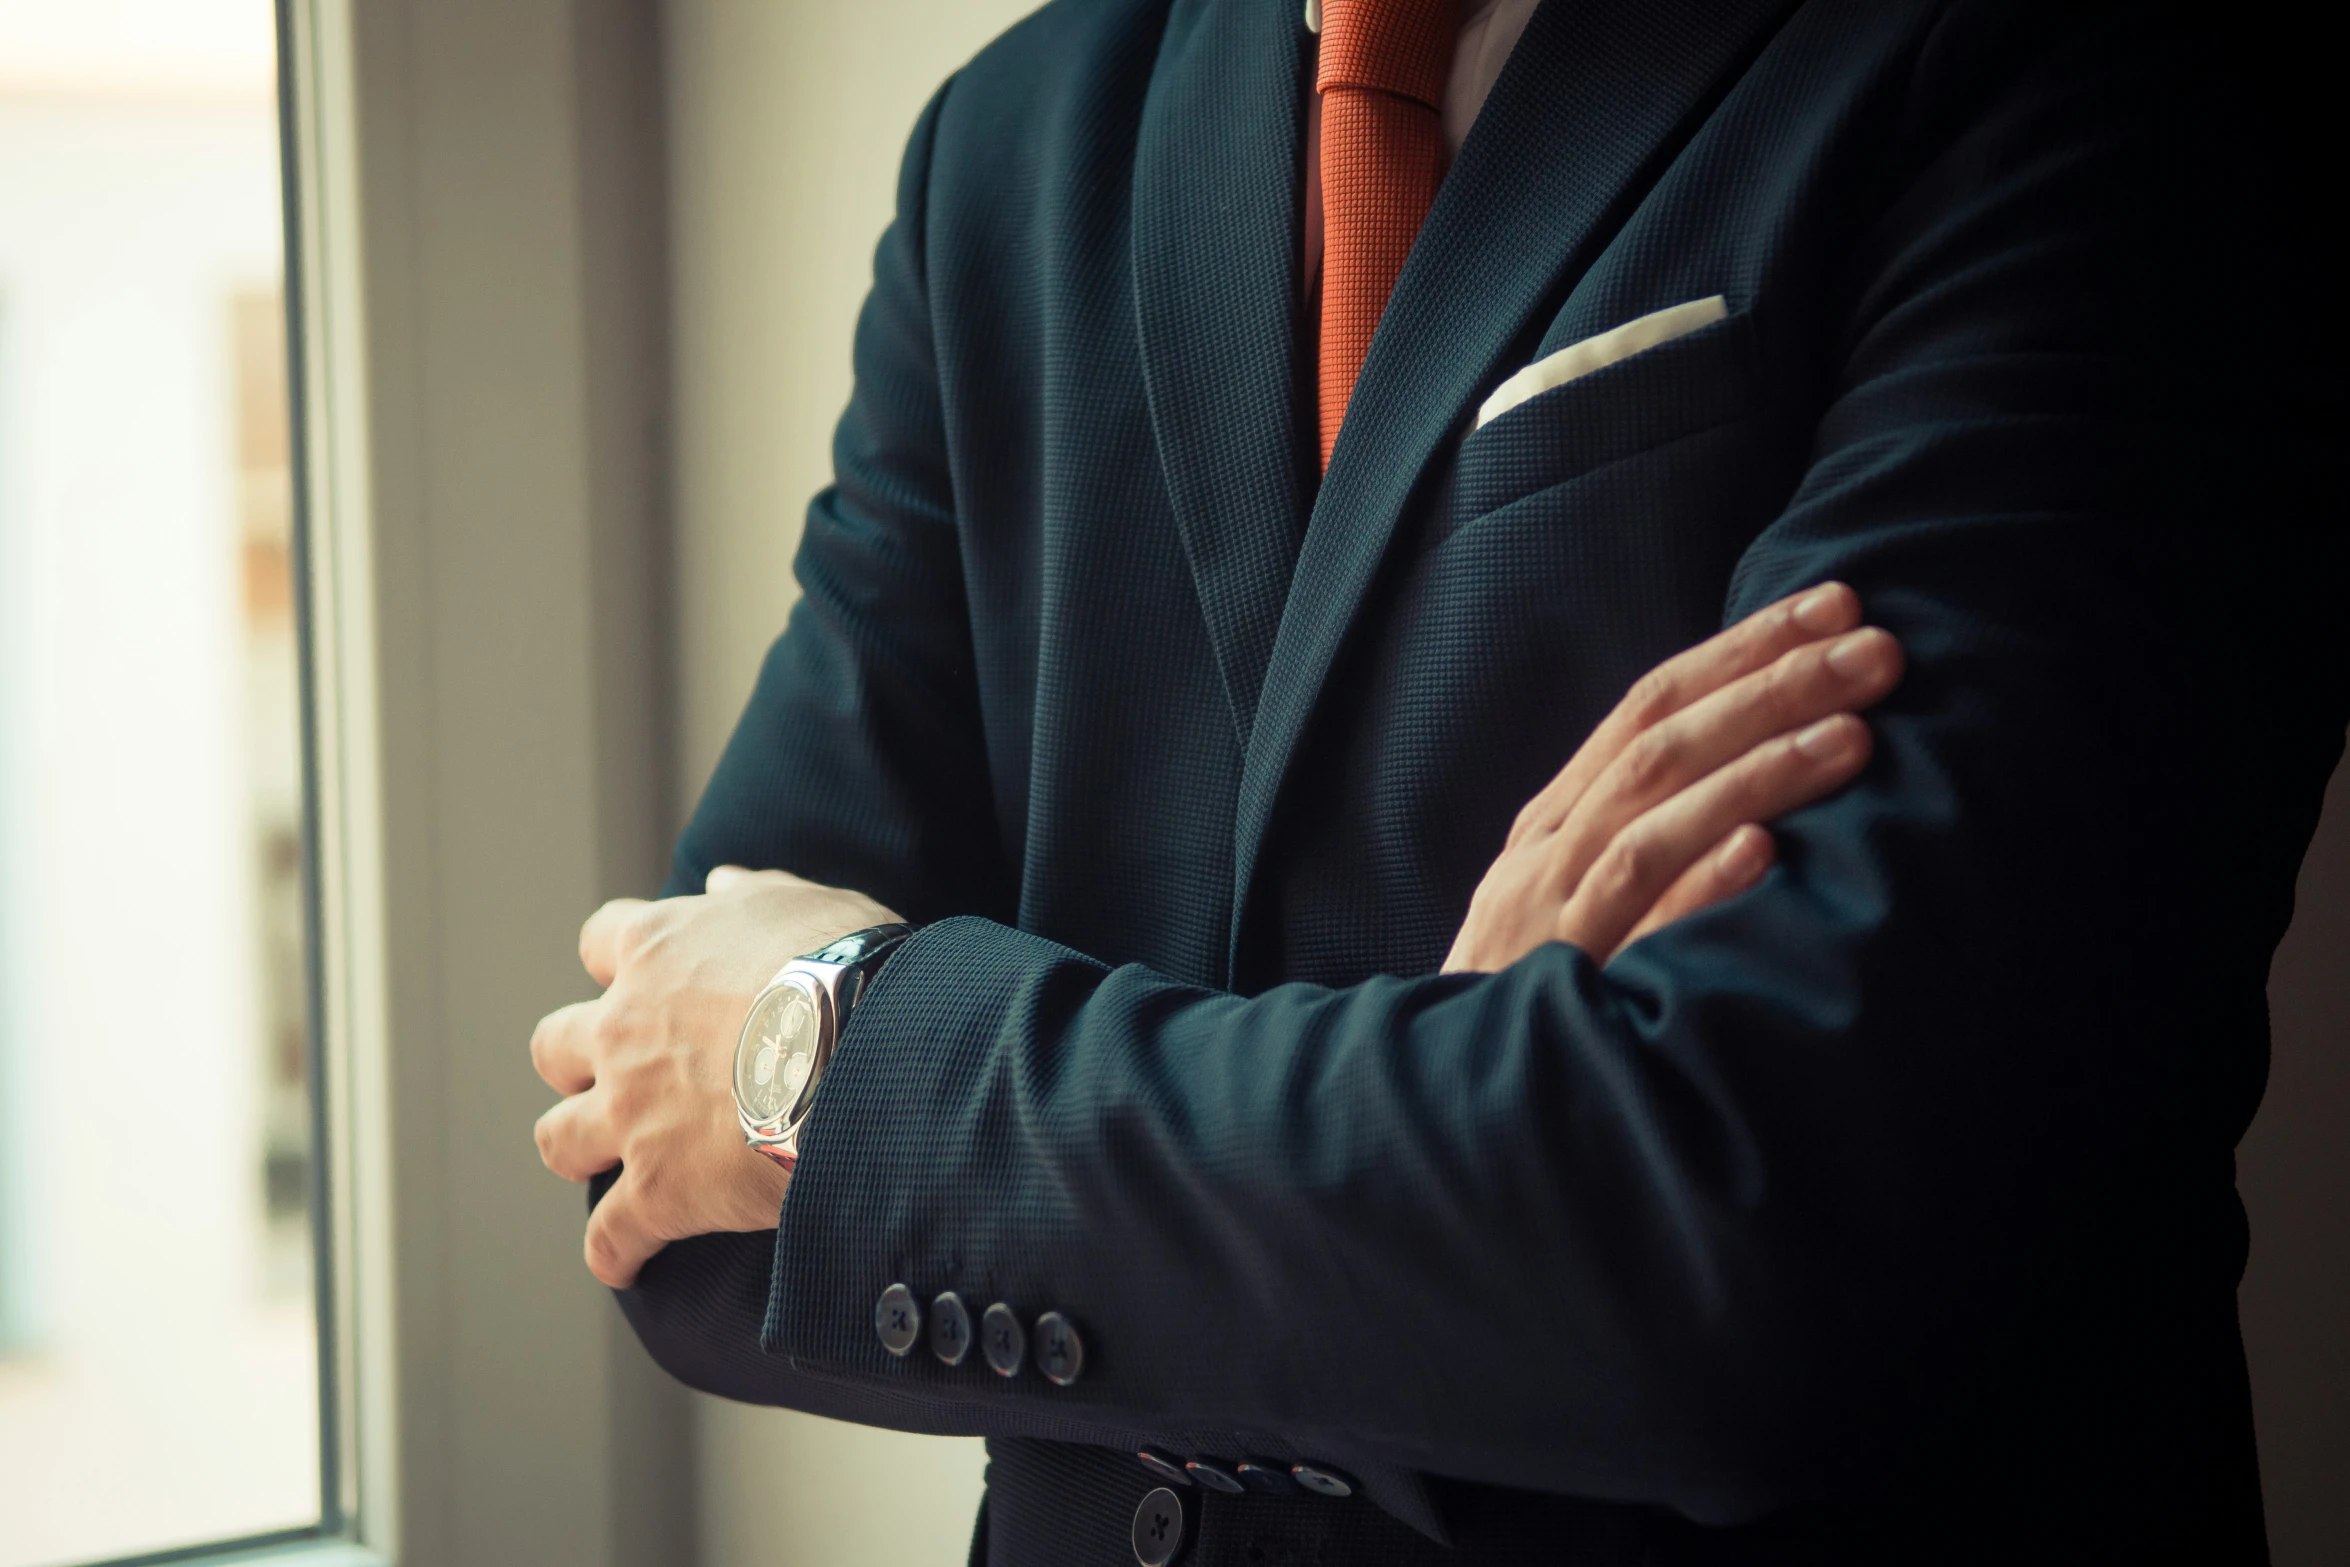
(777, 1136)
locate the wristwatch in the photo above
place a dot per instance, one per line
(789, 1037)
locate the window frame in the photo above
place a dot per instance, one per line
(350, 1176)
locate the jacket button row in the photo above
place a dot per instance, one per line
(1322, 1480)
(1250, 1474)
(897, 1318)
(1271, 1479)
(1003, 1342)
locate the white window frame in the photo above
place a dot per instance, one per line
(348, 1019)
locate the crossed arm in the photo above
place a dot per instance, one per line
(1658, 814)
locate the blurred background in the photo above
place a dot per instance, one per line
(155, 1254)
(580, 281)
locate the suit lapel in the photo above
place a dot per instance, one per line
(1595, 92)
(1215, 237)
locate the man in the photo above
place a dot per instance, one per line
(1278, 444)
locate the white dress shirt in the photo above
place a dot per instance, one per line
(1489, 31)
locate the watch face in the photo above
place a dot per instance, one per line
(778, 1052)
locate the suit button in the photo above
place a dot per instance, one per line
(1258, 1475)
(950, 1328)
(1002, 1340)
(1158, 1528)
(1322, 1480)
(897, 1318)
(1214, 1476)
(1167, 1469)
(1060, 1353)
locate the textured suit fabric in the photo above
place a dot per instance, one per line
(1885, 1211)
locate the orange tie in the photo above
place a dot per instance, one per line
(1381, 77)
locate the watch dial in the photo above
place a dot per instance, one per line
(778, 1052)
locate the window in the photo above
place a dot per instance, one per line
(269, 1282)
(159, 1320)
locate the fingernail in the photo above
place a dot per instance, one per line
(1820, 609)
(1860, 656)
(1829, 740)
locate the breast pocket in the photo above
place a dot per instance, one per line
(1663, 394)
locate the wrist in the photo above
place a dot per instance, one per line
(760, 1186)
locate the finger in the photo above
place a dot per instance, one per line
(1732, 866)
(621, 1233)
(562, 1047)
(1795, 690)
(1687, 677)
(606, 937)
(1649, 855)
(576, 1138)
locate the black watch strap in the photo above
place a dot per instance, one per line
(861, 952)
(860, 947)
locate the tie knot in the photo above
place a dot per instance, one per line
(1397, 46)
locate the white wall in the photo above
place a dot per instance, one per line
(486, 318)
(786, 122)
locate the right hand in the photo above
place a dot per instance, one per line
(647, 1068)
(1660, 812)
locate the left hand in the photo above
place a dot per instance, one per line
(1658, 813)
(648, 1068)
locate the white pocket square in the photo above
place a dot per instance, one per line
(1597, 353)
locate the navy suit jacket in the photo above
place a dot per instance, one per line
(1898, 1188)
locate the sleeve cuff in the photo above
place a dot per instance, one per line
(897, 1123)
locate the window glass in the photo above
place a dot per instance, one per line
(158, 1333)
